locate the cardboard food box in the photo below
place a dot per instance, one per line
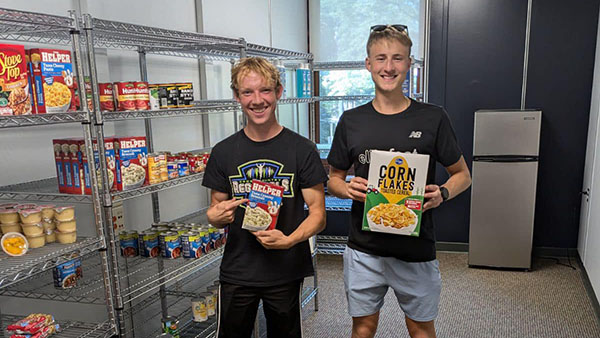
(395, 189)
(14, 83)
(263, 206)
(54, 81)
(131, 156)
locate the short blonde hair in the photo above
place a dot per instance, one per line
(258, 65)
(389, 34)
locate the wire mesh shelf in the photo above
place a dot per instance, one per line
(70, 329)
(15, 269)
(148, 189)
(339, 65)
(345, 98)
(41, 119)
(147, 114)
(40, 190)
(34, 27)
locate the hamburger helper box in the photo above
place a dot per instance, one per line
(263, 206)
(131, 159)
(54, 81)
(85, 165)
(60, 167)
(395, 189)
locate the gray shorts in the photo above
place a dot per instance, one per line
(367, 277)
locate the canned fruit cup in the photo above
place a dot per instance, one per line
(32, 229)
(66, 237)
(36, 241)
(10, 227)
(8, 216)
(64, 213)
(66, 226)
(14, 244)
(47, 211)
(50, 235)
(31, 216)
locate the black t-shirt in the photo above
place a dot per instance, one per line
(288, 160)
(422, 128)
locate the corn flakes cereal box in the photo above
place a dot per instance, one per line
(395, 189)
(54, 82)
(263, 206)
(14, 83)
(131, 156)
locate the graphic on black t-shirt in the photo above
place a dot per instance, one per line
(263, 170)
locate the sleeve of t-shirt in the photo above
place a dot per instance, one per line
(311, 169)
(447, 149)
(339, 156)
(214, 177)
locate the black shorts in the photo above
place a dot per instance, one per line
(238, 306)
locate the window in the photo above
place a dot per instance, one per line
(339, 32)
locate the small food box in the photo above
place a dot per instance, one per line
(395, 189)
(15, 96)
(54, 81)
(131, 157)
(263, 206)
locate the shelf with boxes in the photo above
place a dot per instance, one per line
(40, 87)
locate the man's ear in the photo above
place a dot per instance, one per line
(368, 63)
(235, 96)
(279, 92)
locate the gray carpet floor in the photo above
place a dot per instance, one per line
(550, 301)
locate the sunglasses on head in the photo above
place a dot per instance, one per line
(397, 27)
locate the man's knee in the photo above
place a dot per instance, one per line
(420, 329)
(365, 327)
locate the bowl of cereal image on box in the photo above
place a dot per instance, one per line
(392, 218)
(58, 97)
(133, 176)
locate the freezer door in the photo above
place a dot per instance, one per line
(502, 214)
(507, 133)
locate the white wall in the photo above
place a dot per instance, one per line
(27, 152)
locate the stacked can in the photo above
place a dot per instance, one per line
(128, 241)
(148, 241)
(170, 244)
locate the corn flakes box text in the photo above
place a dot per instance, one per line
(395, 189)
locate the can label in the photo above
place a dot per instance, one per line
(149, 246)
(163, 96)
(199, 309)
(206, 246)
(172, 170)
(125, 95)
(172, 96)
(142, 100)
(170, 244)
(154, 170)
(170, 325)
(153, 97)
(214, 237)
(183, 168)
(191, 244)
(107, 99)
(66, 274)
(186, 94)
(129, 243)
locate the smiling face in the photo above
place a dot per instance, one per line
(388, 62)
(258, 98)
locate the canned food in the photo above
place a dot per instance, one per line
(153, 96)
(172, 170)
(170, 244)
(129, 243)
(191, 244)
(154, 170)
(125, 95)
(206, 247)
(180, 230)
(172, 95)
(199, 309)
(170, 325)
(183, 168)
(210, 303)
(149, 246)
(66, 274)
(214, 237)
(163, 96)
(186, 94)
(164, 172)
(214, 291)
(107, 99)
(142, 101)
(161, 229)
(223, 236)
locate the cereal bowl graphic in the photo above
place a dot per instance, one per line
(392, 218)
(58, 97)
(133, 176)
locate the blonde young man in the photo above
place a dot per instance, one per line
(373, 261)
(264, 265)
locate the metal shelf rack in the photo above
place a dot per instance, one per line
(71, 329)
(331, 245)
(62, 30)
(149, 189)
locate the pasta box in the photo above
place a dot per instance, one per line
(14, 83)
(131, 157)
(395, 189)
(85, 164)
(60, 166)
(263, 206)
(54, 81)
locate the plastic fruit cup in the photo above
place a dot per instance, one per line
(66, 226)
(32, 229)
(48, 211)
(64, 213)
(66, 237)
(12, 227)
(37, 241)
(9, 216)
(14, 244)
(50, 235)
(31, 216)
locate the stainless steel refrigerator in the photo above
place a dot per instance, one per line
(505, 164)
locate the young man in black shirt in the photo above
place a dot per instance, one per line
(268, 265)
(375, 261)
